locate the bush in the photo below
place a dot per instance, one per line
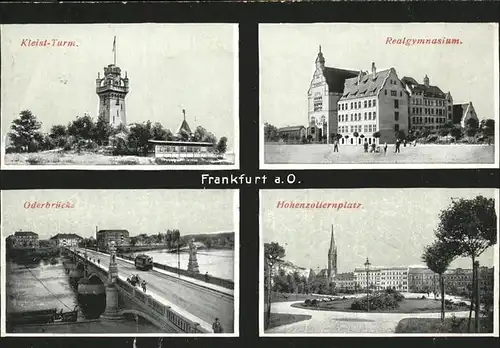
(307, 302)
(432, 138)
(314, 302)
(381, 301)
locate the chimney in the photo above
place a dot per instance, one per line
(374, 70)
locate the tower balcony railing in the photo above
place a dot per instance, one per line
(115, 88)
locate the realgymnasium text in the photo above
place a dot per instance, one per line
(318, 205)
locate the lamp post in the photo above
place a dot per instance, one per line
(367, 268)
(178, 260)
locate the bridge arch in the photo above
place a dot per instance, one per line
(96, 278)
(144, 315)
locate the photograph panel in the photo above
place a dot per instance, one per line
(101, 96)
(120, 262)
(379, 95)
(381, 262)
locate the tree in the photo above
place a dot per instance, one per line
(472, 123)
(160, 133)
(377, 135)
(438, 257)
(273, 253)
(469, 225)
(82, 128)
(222, 145)
(102, 131)
(25, 132)
(444, 132)
(456, 132)
(139, 136)
(270, 132)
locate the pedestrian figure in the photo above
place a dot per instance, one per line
(336, 146)
(206, 277)
(373, 147)
(398, 144)
(365, 145)
(216, 326)
(144, 285)
(489, 141)
(385, 147)
(98, 261)
(414, 142)
(404, 142)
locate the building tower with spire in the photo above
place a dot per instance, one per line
(112, 89)
(332, 258)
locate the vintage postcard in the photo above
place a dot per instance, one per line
(104, 96)
(380, 262)
(120, 262)
(379, 95)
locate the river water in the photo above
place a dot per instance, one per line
(218, 263)
(38, 286)
(41, 285)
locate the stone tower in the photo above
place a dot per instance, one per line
(112, 89)
(332, 258)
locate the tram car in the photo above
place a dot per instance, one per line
(143, 262)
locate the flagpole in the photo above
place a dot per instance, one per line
(114, 51)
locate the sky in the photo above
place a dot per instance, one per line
(170, 67)
(138, 211)
(288, 53)
(391, 227)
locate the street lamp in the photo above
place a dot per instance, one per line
(178, 260)
(367, 268)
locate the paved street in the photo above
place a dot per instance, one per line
(202, 302)
(344, 322)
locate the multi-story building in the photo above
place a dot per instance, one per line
(324, 92)
(380, 278)
(429, 107)
(24, 240)
(66, 239)
(421, 279)
(370, 103)
(104, 238)
(345, 281)
(462, 113)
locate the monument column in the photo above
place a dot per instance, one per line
(193, 262)
(112, 311)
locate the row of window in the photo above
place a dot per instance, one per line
(429, 102)
(357, 104)
(427, 111)
(421, 119)
(368, 116)
(367, 128)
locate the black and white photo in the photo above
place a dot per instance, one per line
(98, 96)
(381, 262)
(358, 95)
(120, 262)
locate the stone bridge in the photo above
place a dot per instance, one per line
(97, 277)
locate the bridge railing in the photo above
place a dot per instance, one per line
(160, 310)
(210, 279)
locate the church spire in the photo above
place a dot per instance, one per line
(320, 60)
(332, 243)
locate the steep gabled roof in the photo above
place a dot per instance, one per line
(335, 78)
(184, 127)
(368, 85)
(429, 91)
